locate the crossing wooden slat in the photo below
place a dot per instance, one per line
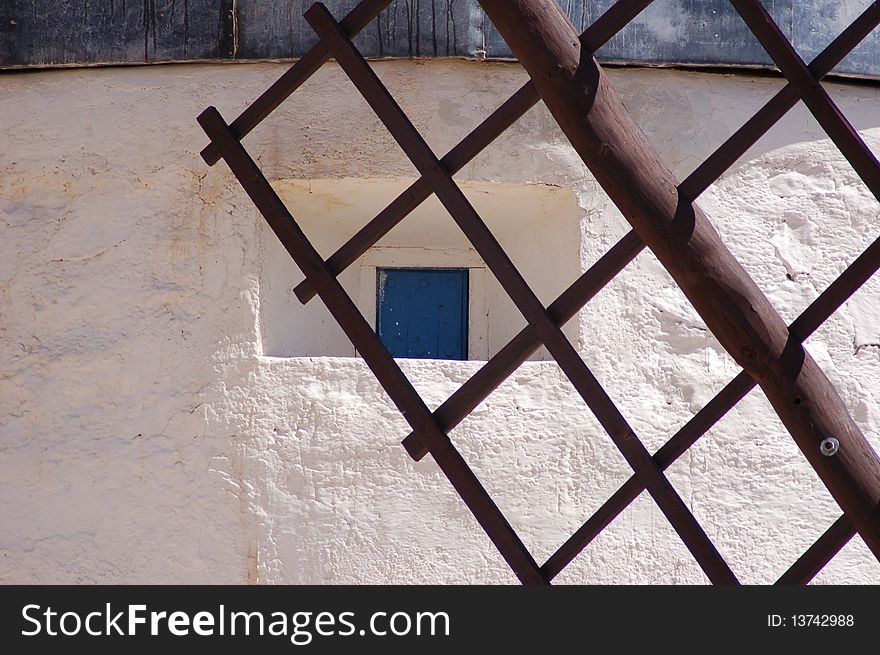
(490, 376)
(813, 94)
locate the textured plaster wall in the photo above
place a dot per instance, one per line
(145, 437)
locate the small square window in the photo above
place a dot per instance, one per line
(423, 312)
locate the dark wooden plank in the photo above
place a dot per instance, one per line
(65, 32)
(693, 31)
(43, 33)
(819, 554)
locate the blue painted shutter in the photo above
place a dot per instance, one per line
(422, 313)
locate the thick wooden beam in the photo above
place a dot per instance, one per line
(597, 124)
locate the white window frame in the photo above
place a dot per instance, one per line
(415, 257)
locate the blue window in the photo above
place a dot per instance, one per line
(423, 312)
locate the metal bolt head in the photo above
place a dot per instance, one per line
(829, 447)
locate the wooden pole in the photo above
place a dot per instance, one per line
(597, 124)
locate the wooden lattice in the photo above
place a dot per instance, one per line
(843, 474)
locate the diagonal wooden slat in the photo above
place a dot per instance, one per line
(820, 553)
(605, 27)
(586, 107)
(463, 401)
(615, 18)
(490, 376)
(389, 112)
(457, 158)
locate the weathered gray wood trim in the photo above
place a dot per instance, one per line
(48, 33)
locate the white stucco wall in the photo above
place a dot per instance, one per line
(146, 437)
